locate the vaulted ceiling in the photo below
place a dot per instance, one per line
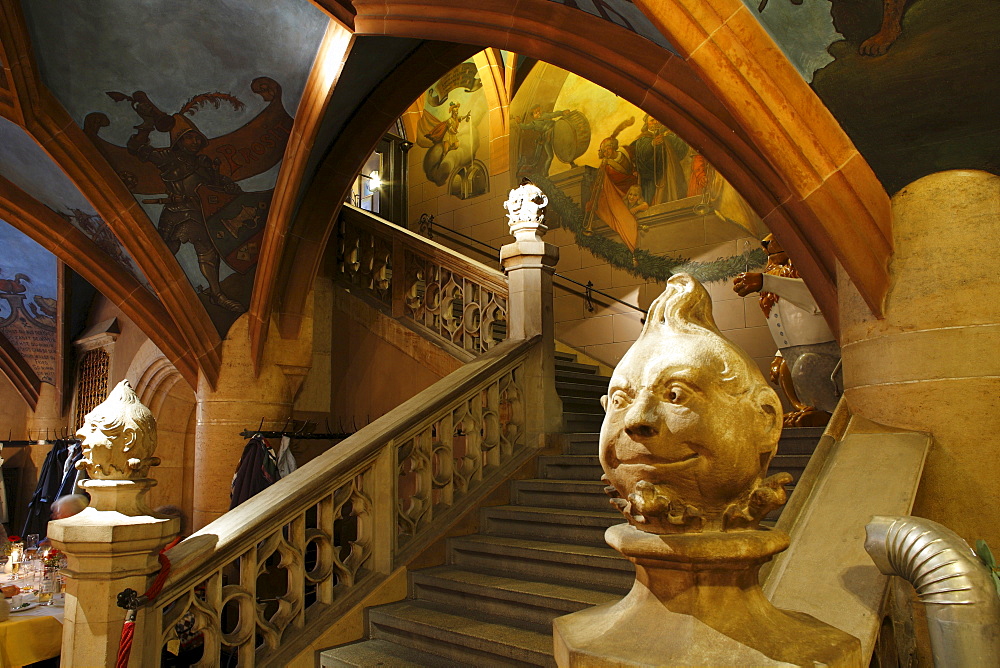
(290, 96)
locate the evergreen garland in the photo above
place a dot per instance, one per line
(642, 264)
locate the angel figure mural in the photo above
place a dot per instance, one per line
(451, 141)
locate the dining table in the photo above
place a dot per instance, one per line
(30, 635)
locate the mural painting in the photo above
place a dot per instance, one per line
(29, 300)
(196, 178)
(913, 83)
(615, 176)
(189, 105)
(27, 166)
(450, 129)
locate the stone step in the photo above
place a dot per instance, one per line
(582, 378)
(799, 440)
(591, 566)
(491, 596)
(583, 421)
(572, 494)
(794, 464)
(585, 527)
(371, 653)
(431, 628)
(583, 443)
(580, 390)
(570, 467)
(565, 357)
(587, 405)
(576, 367)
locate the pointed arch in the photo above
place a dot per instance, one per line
(82, 255)
(44, 118)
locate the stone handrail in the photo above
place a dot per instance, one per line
(442, 293)
(265, 580)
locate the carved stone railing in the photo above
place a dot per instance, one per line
(438, 291)
(263, 582)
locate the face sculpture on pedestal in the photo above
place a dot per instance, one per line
(118, 437)
(526, 211)
(691, 425)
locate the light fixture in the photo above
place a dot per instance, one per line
(375, 180)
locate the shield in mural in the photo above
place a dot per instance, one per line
(235, 223)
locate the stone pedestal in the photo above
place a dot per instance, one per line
(696, 601)
(529, 265)
(109, 548)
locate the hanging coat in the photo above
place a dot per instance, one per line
(46, 491)
(257, 470)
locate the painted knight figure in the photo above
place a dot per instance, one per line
(690, 429)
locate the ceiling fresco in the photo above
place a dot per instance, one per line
(24, 163)
(622, 13)
(191, 104)
(29, 291)
(912, 83)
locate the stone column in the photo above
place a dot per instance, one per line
(240, 399)
(113, 544)
(529, 263)
(931, 363)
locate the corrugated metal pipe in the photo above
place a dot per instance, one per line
(956, 588)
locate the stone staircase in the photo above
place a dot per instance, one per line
(541, 557)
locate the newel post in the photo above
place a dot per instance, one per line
(529, 263)
(114, 543)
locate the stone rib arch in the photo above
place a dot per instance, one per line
(821, 200)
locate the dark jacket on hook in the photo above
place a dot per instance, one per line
(257, 470)
(50, 479)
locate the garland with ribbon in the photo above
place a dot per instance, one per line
(642, 264)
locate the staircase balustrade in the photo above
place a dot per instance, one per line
(440, 292)
(264, 581)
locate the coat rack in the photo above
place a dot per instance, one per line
(300, 433)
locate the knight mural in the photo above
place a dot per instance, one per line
(198, 180)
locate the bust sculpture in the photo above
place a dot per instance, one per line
(118, 437)
(691, 424)
(526, 211)
(690, 429)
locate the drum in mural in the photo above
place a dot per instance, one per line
(571, 137)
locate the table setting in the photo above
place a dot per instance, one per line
(31, 610)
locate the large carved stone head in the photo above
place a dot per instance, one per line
(118, 437)
(690, 425)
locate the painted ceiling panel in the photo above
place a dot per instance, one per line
(913, 84)
(139, 76)
(622, 13)
(24, 163)
(29, 292)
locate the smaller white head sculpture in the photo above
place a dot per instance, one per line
(691, 424)
(118, 437)
(526, 211)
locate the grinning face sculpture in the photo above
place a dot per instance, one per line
(118, 437)
(691, 425)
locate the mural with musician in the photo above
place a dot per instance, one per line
(619, 179)
(29, 292)
(198, 139)
(453, 125)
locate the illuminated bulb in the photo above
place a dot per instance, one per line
(376, 181)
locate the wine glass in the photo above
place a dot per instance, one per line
(3, 561)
